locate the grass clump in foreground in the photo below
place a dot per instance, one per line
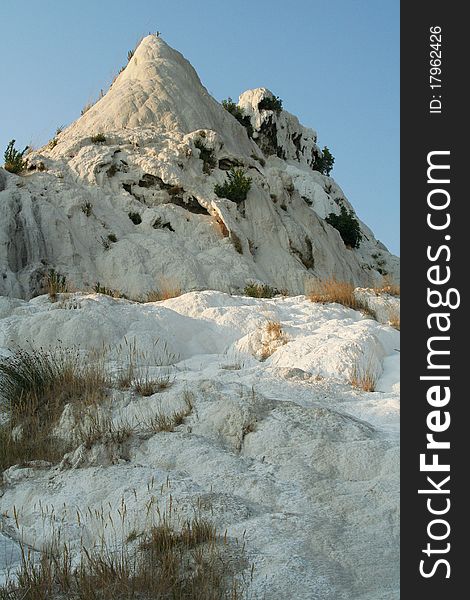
(192, 562)
(341, 292)
(36, 385)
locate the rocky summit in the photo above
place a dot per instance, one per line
(125, 195)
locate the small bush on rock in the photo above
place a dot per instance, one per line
(98, 138)
(14, 162)
(347, 225)
(324, 163)
(271, 103)
(259, 290)
(207, 156)
(236, 187)
(239, 115)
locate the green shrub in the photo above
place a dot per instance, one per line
(348, 227)
(324, 163)
(271, 103)
(87, 208)
(236, 187)
(14, 162)
(98, 138)
(239, 114)
(112, 238)
(207, 156)
(135, 218)
(101, 289)
(259, 290)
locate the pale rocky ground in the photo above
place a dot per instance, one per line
(280, 449)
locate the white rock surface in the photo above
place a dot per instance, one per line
(152, 117)
(279, 449)
(282, 448)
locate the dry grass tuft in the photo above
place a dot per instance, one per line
(166, 290)
(341, 292)
(387, 287)
(162, 422)
(363, 378)
(190, 563)
(55, 284)
(36, 385)
(394, 319)
(274, 338)
(100, 429)
(147, 387)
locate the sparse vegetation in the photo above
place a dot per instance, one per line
(87, 208)
(167, 422)
(99, 138)
(363, 377)
(173, 559)
(55, 283)
(101, 289)
(147, 386)
(167, 289)
(239, 114)
(387, 287)
(206, 155)
(36, 385)
(14, 162)
(340, 292)
(271, 103)
(135, 218)
(236, 186)
(273, 338)
(348, 227)
(394, 318)
(324, 163)
(259, 290)
(99, 428)
(86, 108)
(237, 243)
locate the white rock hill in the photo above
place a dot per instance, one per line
(76, 193)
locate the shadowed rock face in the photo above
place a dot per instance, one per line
(159, 125)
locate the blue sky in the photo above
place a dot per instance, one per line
(334, 63)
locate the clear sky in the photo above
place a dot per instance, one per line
(334, 63)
